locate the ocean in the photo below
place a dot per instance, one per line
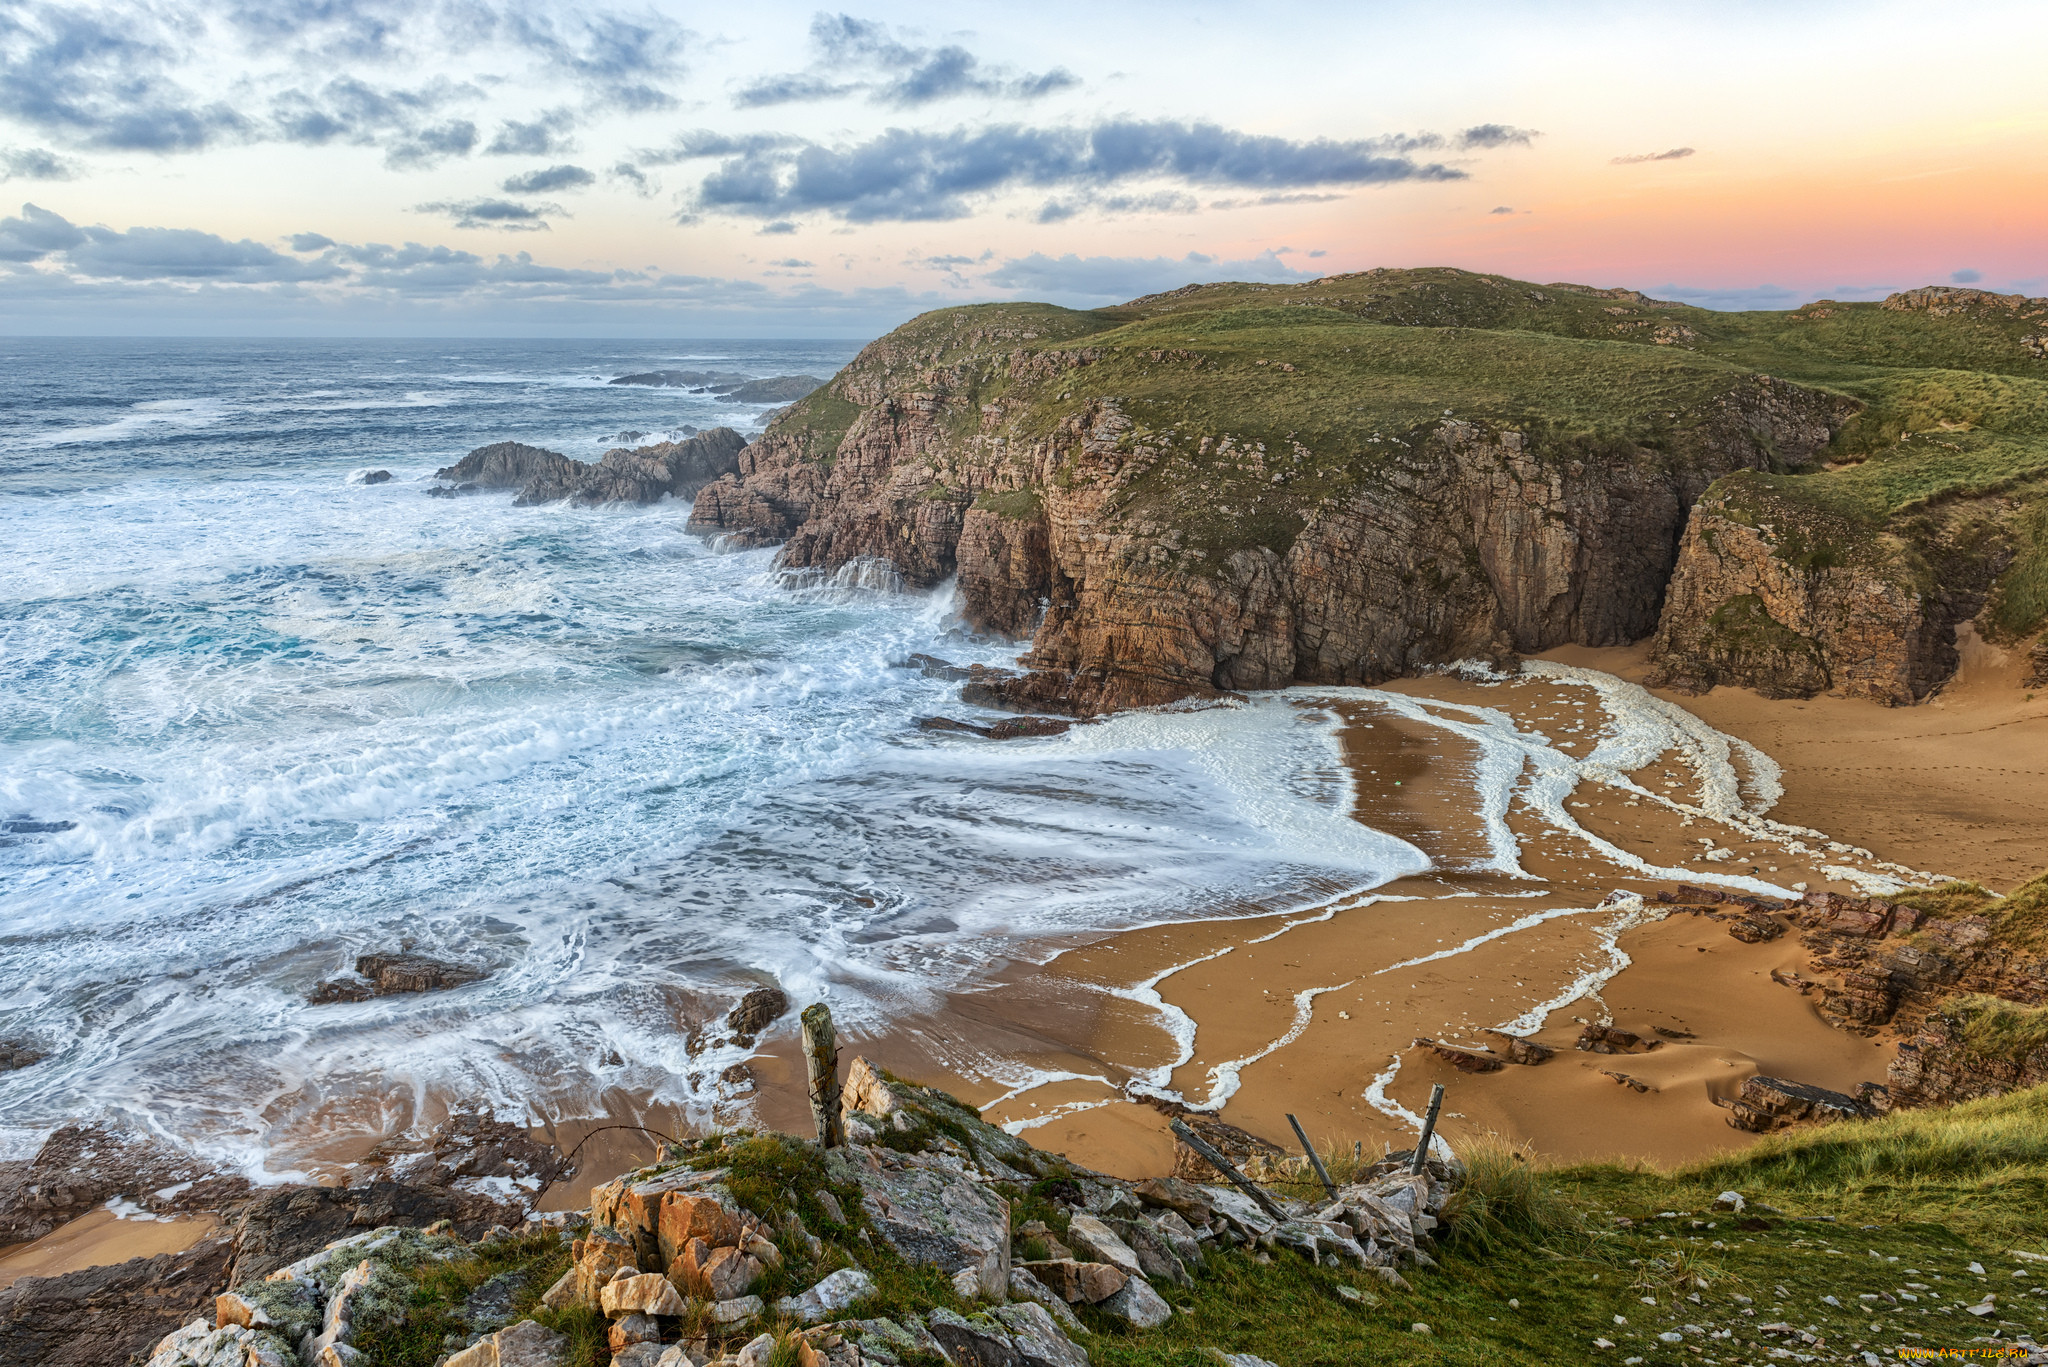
(258, 717)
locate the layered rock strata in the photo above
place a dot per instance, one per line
(1465, 538)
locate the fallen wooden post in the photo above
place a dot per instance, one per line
(1436, 1101)
(1322, 1173)
(1224, 1166)
(821, 1061)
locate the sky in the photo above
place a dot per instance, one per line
(500, 167)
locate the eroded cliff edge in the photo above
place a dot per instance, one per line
(1238, 487)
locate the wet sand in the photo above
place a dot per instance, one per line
(98, 1239)
(1308, 1013)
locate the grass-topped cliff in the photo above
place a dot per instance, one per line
(1235, 486)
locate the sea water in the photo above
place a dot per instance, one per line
(258, 717)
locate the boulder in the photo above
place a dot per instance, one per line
(1023, 1335)
(1094, 1239)
(830, 1296)
(1185, 1199)
(633, 1207)
(755, 1012)
(1076, 1282)
(600, 1258)
(1464, 1060)
(1024, 1285)
(931, 1212)
(628, 1330)
(1526, 1052)
(738, 1310)
(524, 1344)
(1158, 1258)
(376, 477)
(198, 1345)
(1765, 1103)
(1138, 1303)
(1606, 1039)
(385, 975)
(644, 1293)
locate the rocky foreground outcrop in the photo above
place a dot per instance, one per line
(642, 474)
(740, 1249)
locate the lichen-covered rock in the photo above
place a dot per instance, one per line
(525, 1344)
(1077, 1282)
(930, 1211)
(1139, 1304)
(1022, 1335)
(832, 1294)
(201, 1345)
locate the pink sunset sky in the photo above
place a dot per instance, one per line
(490, 167)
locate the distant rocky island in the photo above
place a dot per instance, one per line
(641, 474)
(728, 384)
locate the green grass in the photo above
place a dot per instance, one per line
(1926, 1193)
(1324, 387)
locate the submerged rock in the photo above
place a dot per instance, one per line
(756, 1011)
(384, 975)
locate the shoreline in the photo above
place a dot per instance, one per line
(1313, 1011)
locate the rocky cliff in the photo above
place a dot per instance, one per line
(641, 474)
(1279, 495)
(1239, 486)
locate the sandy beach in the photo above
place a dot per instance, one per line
(1315, 1012)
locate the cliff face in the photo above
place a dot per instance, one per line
(1791, 601)
(1153, 548)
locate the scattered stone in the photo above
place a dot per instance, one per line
(1524, 1051)
(830, 1296)
(1025, 1284)
(1138, 1303)
(1076, 1282)
(1633, 1084)
(1606, 1039)
(1464, 1060)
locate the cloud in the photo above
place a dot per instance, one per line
(141, 75)
(781, 227)
(1501, 209)
(1099, 279)
(553, 178)
(538, 138)
(495, 213)
(1965, 276)
(852, 56)
(792, 263)
(36, 163)
(311, 242)
(147, 253)
(1675, 154)
(910, 175)
(1483, 135)
(642, 184)
(1262, 201)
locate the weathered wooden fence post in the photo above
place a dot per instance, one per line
(821, 1061)
(1223, 1165)
(1436, 1101)
(1322, 1173)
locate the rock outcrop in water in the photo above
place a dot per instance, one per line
(642, 474)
